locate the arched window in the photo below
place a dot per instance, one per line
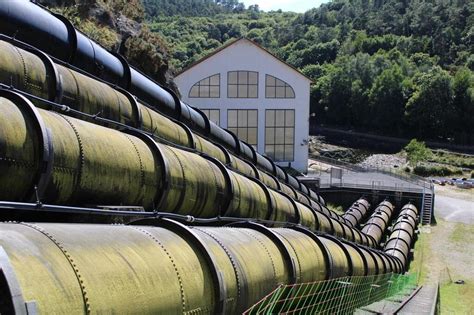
(276, 88)
(207, 88)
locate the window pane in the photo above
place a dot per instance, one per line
(204, 91)
(280, 118)
(242, 118)
(289, 92)
(243, 77)
(290, 118)
(214, 91)
(279, 135)
(232, 77)
(289, 135)
(269, 80)
(231, 118)
(252, 118)
(253, 91)
(280, 92)
(270, 118)
(270, 151)
(253, 78)
(194, 91)
(204, 81)
(279, 152)
(269, 135)
(214, 114)
(242, 134)
(215, 79)
(233, 130)
(242, 91)
(252, 136)
(270, 92)
(288, 153)
(232, 91)
(280, 82)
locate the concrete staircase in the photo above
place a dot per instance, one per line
(424, 302)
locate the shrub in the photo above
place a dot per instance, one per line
(425, 171)
(417, 152)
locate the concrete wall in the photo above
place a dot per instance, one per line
(244, 55)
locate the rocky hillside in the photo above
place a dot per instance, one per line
(117, 25)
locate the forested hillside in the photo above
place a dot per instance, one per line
(397, 67)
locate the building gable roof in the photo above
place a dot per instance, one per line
(231, 43)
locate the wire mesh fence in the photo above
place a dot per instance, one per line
(335, 296)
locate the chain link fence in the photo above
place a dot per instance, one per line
(335, 296)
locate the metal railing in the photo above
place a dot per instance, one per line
(335, 296)
(348, 167)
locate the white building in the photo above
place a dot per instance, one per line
(244, 88)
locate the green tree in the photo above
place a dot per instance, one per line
(431, 105)
(417, 152)
(387, 100)
(463, 104)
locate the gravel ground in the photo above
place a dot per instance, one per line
(384, 160)
(448, 251)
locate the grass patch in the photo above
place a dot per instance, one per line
(428, 170)
(463, 233)
(450, 158)
(456, 298)
(456, 238)
(421, 250)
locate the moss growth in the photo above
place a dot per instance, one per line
(335, 208)
(101, 34)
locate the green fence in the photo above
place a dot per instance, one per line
(335, 296)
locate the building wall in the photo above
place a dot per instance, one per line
(245, 56)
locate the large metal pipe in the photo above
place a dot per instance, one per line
(167, 268)
(356, 212)
(62, 160)
(32, 24)
(84, 94)
(378, 222)
(403, 233)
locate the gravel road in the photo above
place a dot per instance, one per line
(454, 204)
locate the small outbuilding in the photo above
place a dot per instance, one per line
(246, 89)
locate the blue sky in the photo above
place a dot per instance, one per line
(286, 5)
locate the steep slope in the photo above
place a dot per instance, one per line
(117, 25)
